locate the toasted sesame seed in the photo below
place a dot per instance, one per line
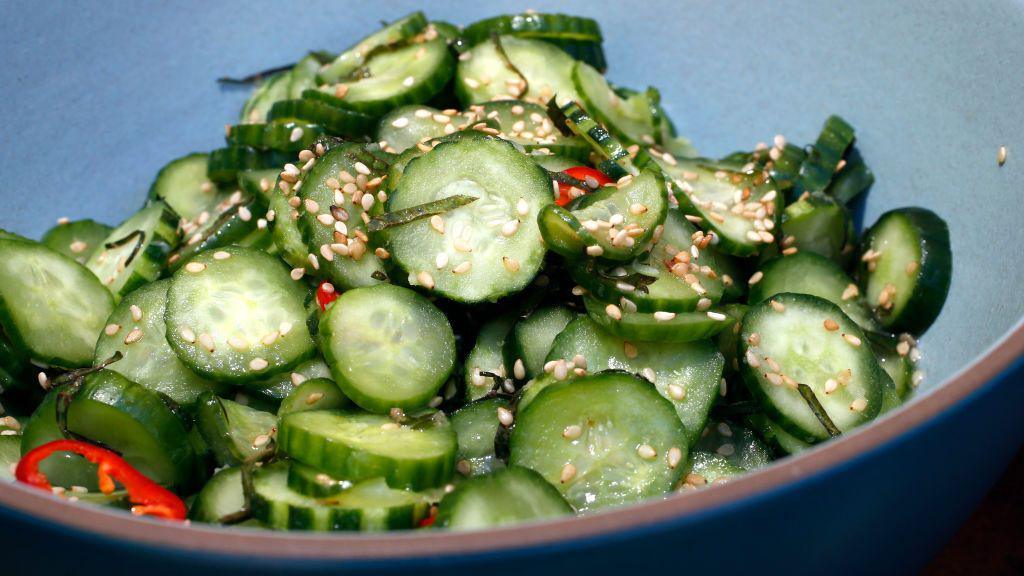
(912, 267)
(425, 279)
(510, 264)
(646, 451)
(675, 457)
(463, 267)
(206, 341)
(851, 291)
(859, 405)
(314, 398)
(613, 311)
(78, 246)
(260, 441)
(831, 325)
(111, 329)
(630, 350)
(195, 267)
(756, 277)
(568, 473)
(340, 90)
(238, 343)
(777, 306)
(572, 432)
(258, 364)
(505, 416)
(561, 370)
(676, 392)
(853, 340)
(1001, 155)
(134, 336)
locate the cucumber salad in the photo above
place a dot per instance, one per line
(456, 278)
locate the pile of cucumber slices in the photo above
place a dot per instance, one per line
(455, 277)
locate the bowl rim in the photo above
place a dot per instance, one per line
(99, 522)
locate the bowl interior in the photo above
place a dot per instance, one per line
(95, 101)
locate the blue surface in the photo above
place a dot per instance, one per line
(96, 97)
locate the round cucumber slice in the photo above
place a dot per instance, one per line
(356, 446)
(603, 440)
(235, 314)
(387, 347)
(509, 496)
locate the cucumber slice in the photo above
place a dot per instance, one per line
(64, 469)
(284, 222)
(51, 307)
(235, 433)
(499, 229)
(235, 315)
(854, 179)
(76, 240)
(313, 483)
(715, 193)
(183, 185)
(553, 162)
(221, 497)
(367, 506)
(476, 425)
(352, 59)
(792, 344)
(302, 76)
(667, 279)
(387, 347)
(334, 119)
(894, 355)
(136, 251)
(687, 374)
(737, 444)
(225, 163)
(528, 125)
(281, 136)
(137, 424)
(269, 92)
(776, 436)
(630, 447)
(358, 446)
(531, 338)
(409, 74)
(809, 273)
(335, 195)
(659, 326)
(534, 25)
(631, 118)
(487, 355)
(906, 267)
(543, 71)
(615, 222)
(817, 223)
(10, 453)
(137, 330)
(315, 394)
(823, 158)
(503, 498)
(536, 386)
(728, 340)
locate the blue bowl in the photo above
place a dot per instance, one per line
(97, 97)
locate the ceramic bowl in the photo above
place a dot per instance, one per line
(96, 97)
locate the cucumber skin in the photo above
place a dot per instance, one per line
(934, 275)
(342, 461)
(224, 488)
(496, 483)
(685, 327)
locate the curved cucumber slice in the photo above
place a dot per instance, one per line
(630, 446)
(487, 355)
(630, 118)
(352, 59)
(906, 267)
(65, 469)
(482, 250)
(221, 497)
(234, 432)
(302, 76)
(894, 356)
(659, 326)
(311, 482)
(328, 115)
(136, 251)
(359, 446)
(786, 341)
(183, 185)
(337, 198)
(485, 74)
(741, 208)
(387, 347)
(283, 136)
(76, 240)
(137, 424)
(225, 163)
(51, 307)
(315, 394)
(819, 224)
(505, 497)
(476, 425)
(616, 160)
(236, 315)
(823, 158)
(687, 374)
(667, 279)
(137, 330)
(531, 338)
(615, 222)
(810, 273)
(284, 222)
(535, 25)
(368, 506)
(409, 74)
(269, 92)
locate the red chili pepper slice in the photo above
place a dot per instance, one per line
(325, 294)
(579, 173)
(148, 497)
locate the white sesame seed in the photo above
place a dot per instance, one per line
(258, 364)
(675, 457)
(613, 311)
(662, 316)
(831, 385)
(561, 370)
(187, 334)
(522, 207)
(568, 473)
(859, 405)
(260, 441)
(518, 369)
(78, 246)
(463, 267)
(284, 328)
(134, 336)
(853, 340)
(510, 264)
(717, 316)
(594, 250)
(425, 279)
(409, 81)
(400, 122)
(298, 273)
(206, 341)
(297, 378)
(195, 267)
(777, 306)
(269, 339)
(751, 358)
(437, 223)
(111, 329)
(314, 261)
(238, 343)
(572, 432)
(505, 416)
(509, 228)
(646, 451)
(441, 260)
(1001, 155)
